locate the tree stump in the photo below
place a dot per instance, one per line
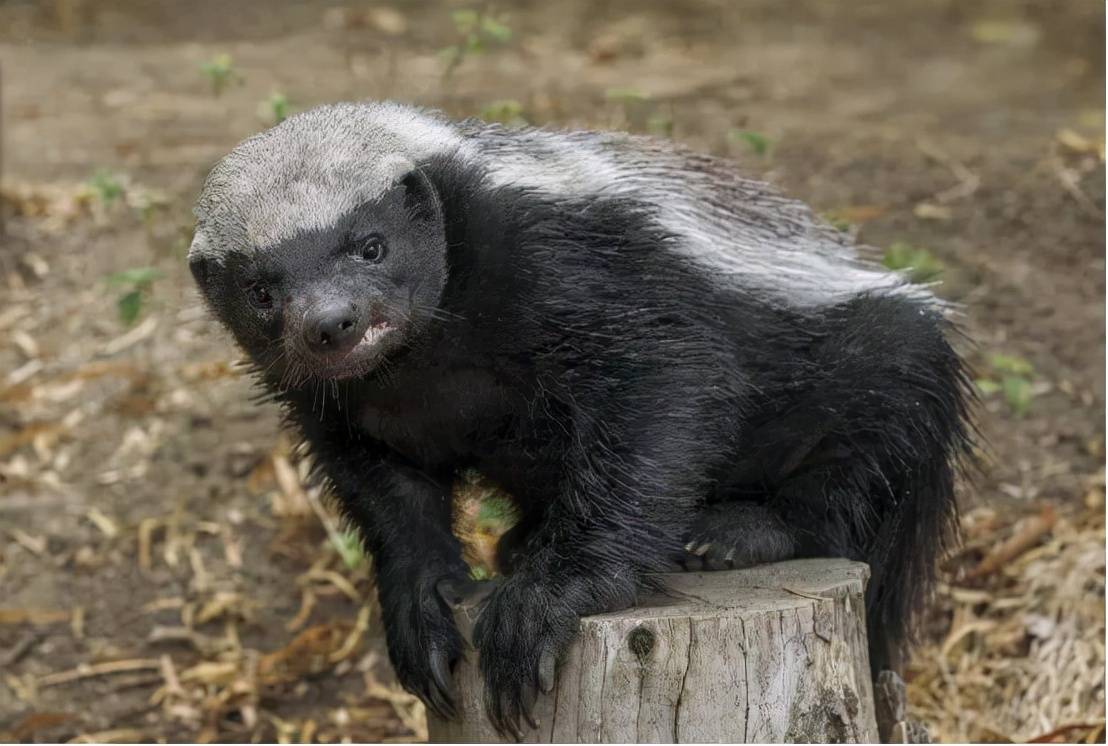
(775, 653)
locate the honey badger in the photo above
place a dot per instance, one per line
(658, 359)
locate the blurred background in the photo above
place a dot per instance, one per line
(165, 572)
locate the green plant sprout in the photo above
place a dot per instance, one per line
(837, 221)
(920, 264)
(221, 72)
(758, 143)
(106, 186)
(1011, 376)
(478, 32)
(348, 544)
(275, 108)
(136, 284)
(508, 112)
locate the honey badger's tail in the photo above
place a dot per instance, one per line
(902, 553)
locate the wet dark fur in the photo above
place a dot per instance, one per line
(618, 393)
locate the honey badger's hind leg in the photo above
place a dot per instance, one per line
(730, 535)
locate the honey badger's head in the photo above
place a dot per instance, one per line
(320, 243)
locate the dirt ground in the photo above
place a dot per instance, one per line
(163, 573)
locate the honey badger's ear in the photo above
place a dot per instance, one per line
(421, 198)
(199, 258)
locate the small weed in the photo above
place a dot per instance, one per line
(478, 32)
(508, 112)
(1011, 376)
(106, 187)
(919, 264)
(274, 109)
(220, 71)
(348, 544)
(758, 143)
(837, 221)
(135, 284)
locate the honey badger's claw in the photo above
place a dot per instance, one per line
(527, 704)
(734, 535)
(546, 669)
(423, 654)
(520, 633)
(442, 689)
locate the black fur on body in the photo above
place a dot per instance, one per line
(639, 410)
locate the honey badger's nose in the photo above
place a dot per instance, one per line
(331, 328)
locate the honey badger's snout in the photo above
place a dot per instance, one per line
(338, 337)
(333, 327)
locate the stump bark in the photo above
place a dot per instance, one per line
(769, 654)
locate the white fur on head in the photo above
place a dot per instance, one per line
(310, 170)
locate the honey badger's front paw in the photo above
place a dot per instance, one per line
(520, 635)
(424, 643)
(735, 535)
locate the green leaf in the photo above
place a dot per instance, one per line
(506, 111)
(919, 264)
(1018, 394)
(475, 44)
(479, 573)
(129, 306)
(496, 30)
(756, 141)
(106, 185)
(220, 70)
(1011, 365)
(465, 20)
(987, 386)
(348, 544)
(838, 222)
(278, 105)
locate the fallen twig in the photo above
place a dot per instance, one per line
(968, 181)
(88, 671)
(1029, 534)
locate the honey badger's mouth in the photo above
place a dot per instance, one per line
(354, 361)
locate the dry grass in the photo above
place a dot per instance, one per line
(1018, 637)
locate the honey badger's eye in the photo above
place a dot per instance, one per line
(372, 249)
(259, 296)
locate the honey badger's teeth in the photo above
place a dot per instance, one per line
(375, 332)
